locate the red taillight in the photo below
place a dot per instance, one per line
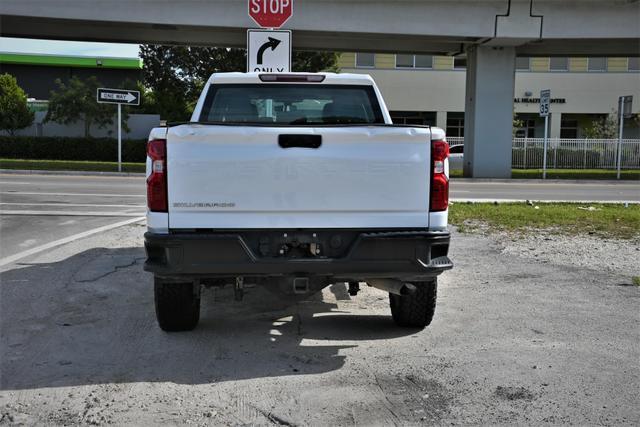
(157, 181)
(440, 178)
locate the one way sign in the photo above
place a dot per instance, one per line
(269, 51)
(118, 96)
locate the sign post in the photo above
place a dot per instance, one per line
(624, 111)
(545, 99)
(118, 96)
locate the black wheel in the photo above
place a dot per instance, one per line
(416, 310)
(177, 305)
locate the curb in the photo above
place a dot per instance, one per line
(497, 201)
(548, 181)
(68, 173)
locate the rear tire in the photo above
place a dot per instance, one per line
(416, 310)
(177, 305)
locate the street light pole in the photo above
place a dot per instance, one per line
(544, 155)
(119, 137)
(619, 157)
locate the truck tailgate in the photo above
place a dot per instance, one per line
(239, 177)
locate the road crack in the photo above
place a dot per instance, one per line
(110, 269)
(390, 404)
(274, 418)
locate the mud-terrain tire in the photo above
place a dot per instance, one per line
(177, 305)
(416, 310)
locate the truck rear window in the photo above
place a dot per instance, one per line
(291, 104)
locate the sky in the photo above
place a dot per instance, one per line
(58, 47)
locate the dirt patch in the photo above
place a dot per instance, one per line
(514, 341)
(513, 393)
(617, 256)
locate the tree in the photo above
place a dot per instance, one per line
(604, 127)
(313, 62)
(14, 112)
(76, 101)
(516, 124)
(176, 75)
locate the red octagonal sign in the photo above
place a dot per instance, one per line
(270, 13)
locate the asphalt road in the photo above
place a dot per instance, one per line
(39, 209)
(555, 190)
(36, 210)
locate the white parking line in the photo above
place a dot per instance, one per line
(70, 213)
(66, 184)
(491, 200)
(32, 251)
(28, 193)
(64, 205)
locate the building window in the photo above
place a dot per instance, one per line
(459, 63)
(597, 64)
(568, 129)
(527, 130)
(365, 60)
(414, 61)
(455, 124)
(633, 64)
(404, 61)
(423, 61)
(559, 64)
(522, 64)
(413, 117)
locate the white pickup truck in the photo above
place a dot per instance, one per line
(295, 181)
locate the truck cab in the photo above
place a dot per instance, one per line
(295, 181)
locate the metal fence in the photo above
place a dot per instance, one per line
(528, 153)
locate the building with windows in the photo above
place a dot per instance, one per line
(427, 89)
(36, 75)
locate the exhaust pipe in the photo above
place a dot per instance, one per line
(393, 286)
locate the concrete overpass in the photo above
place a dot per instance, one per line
(490, 32)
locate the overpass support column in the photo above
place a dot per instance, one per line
(488, 118)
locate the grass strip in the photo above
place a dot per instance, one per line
(567, 174)
(575, 174)
(69, 165)
(604, 220)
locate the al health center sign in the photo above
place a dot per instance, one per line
(270, 13)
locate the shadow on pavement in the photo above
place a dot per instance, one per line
(90, 319)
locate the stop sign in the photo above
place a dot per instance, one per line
(270, 13)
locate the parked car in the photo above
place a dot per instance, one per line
(293, 182)
(456, 157)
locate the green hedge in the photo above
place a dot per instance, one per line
(50, 148)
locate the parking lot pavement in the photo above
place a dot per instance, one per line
(514, 341)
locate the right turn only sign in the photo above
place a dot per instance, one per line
(269, 51)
